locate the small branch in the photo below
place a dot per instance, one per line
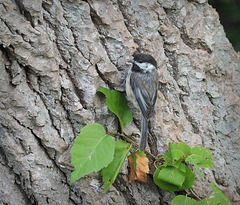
(157, 160)
(122, 135)
(191, 190)
(133, 142)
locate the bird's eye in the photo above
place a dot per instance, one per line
(140, 61)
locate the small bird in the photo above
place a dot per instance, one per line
(141, 89)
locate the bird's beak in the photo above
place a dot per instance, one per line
(131, 61)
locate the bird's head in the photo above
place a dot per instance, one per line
(143, 63)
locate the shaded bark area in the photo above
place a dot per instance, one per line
(54, 55)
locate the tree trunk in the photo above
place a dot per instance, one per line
(54, 54)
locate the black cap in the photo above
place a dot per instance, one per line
(143, 57)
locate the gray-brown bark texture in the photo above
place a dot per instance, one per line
(54, 54)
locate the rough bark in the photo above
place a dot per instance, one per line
(54, 54)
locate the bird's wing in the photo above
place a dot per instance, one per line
(142, 97)
(154, 99)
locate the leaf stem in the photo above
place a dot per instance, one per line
(157, 160)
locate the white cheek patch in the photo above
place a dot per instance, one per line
(146, 67)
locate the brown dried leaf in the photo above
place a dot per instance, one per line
(141, 170)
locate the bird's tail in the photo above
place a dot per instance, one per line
(144, 130)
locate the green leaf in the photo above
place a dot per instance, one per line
(140, 153)
(163, 184)
(204, 156)
(201, 156)
(173, 175)
(200, 174)
(179, 151)
(168, 160)
(219, 195)
(92, 150)
(183, 200)
(210, 201)
(110, 172)
(170, 178)
(117, 104)
(189, 180)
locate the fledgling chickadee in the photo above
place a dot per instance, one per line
(141, 88)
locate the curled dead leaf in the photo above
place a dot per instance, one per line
(138, 167)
